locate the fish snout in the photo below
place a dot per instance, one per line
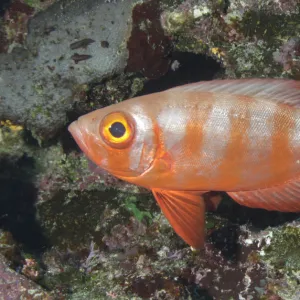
(77, 134)
(74, 129)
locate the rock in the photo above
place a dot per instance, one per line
(39, 80)
(242, 35)
(16, 286)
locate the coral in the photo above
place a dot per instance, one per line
(109, 91)
(73, 198)
(121, 236)
(281, 255)
(245, 33)
(10, 125)
(143, 261)
(7, 245)
(283, 248)
(15, 24)
(31, 269)
(288, 56)
(251, 59)
(13, 28)
(11, 138)
(16, 286)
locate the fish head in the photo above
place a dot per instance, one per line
(119, 138)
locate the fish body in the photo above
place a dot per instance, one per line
(237, 136)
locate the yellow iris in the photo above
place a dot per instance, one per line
(117, 129)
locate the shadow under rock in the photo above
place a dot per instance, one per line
(257, 218)
(17, 202)
(226, 238)
(192, 68)
(145, 288)
(197, 293)
(3, 6)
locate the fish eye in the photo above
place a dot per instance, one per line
(117, 129)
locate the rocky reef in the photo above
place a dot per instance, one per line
(250, 39)
(70, 230)
(67, 46)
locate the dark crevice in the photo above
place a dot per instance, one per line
(259, 219)
(192, 68)
(3, 6)
(17, 203)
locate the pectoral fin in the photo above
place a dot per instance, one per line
(285, 197)
(186, 213)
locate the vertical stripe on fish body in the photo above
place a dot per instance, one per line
(215, 140)
(238, 136)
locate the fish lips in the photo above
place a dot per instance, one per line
(77, 134)
(83, 140)
(87, 142)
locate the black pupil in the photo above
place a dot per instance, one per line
(117, 129)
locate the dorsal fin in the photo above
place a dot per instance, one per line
(282, 91)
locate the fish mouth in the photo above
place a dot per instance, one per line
(75, 130)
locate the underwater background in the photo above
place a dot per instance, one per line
(69, 230)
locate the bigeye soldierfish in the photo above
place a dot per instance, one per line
(238, 136)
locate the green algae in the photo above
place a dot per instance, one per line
(131, 206)
(283, 251)
(135, 256)
(247, 36)
(252, 60)
(32, 3)
(282, 257)
(190, 44)
(11, 141)
(213, 221)
(39, 5)
(137, 85)
(269, 27)
(71, 220)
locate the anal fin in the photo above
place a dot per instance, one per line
(185, 211)
(285, 197)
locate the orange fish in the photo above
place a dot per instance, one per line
(238, 136)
